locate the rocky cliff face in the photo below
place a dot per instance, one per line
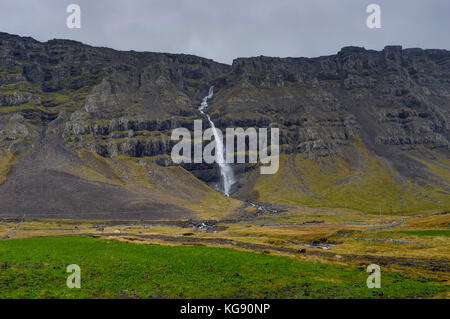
(392, 104)
(397, 97)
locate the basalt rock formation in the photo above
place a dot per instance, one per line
(359, 129)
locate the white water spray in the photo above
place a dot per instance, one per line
(226, 171)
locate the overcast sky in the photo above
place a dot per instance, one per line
(225, 29)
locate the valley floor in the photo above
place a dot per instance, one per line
(291, 253)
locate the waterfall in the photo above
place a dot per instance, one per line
(226, 172)
(205, 100)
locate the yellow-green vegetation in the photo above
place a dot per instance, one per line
(23, 107)
(370, 184)
(433, 222)
(173, 185)
(427, 233)
(46, 98)
(36, 268)
(7, 159)
(422, 240)
(440, 167)
(96, 168)
(423, 237)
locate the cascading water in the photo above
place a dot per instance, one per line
(226, 171)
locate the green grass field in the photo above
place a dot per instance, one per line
(36, 268)
(437, 232)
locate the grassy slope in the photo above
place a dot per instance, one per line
(7, 159)
(174, 185)
(35, 268)
(334, 182)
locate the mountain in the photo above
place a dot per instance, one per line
(85, 131)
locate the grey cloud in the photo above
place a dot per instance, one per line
(224, 30)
